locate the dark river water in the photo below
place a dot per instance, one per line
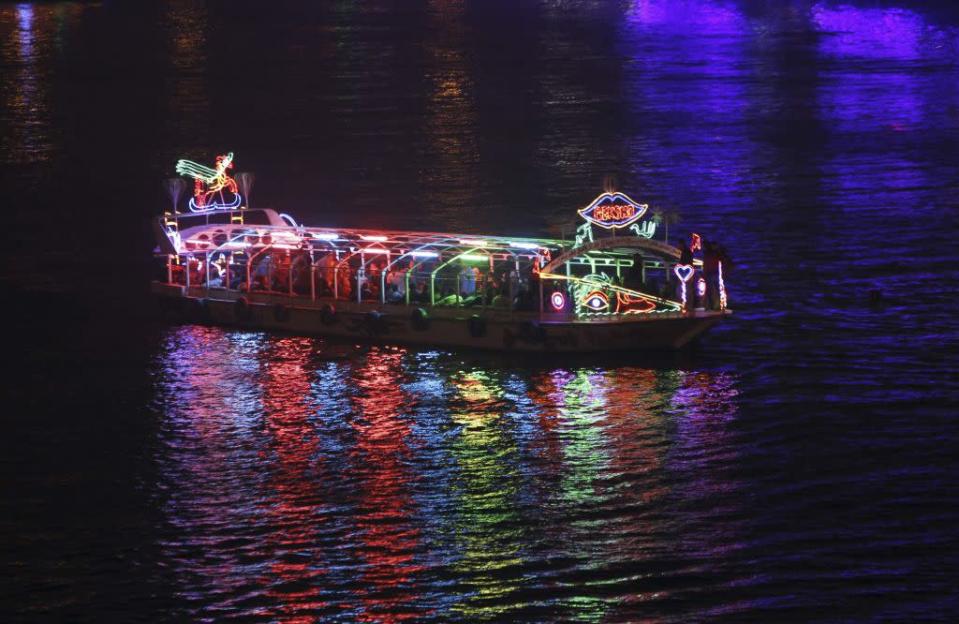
(799, 464)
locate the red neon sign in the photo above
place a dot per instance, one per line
(613, 211)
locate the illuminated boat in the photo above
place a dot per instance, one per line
(612, 287)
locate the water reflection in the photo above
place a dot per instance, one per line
(185, 25)
(380, 466)
(295, 507)
(492, 534)
(392, 485)
(32, 38)
(449, 182)
(671, 116)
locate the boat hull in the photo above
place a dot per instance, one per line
(472, 328)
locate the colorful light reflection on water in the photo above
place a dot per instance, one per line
(386, 485)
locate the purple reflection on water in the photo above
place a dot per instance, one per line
(707, 16)
(878, 33)
(688, 101)
(25, 35)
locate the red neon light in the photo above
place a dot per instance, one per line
(614, 212)
(202, 194)
(628, 303)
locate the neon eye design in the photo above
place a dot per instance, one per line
(596, 301)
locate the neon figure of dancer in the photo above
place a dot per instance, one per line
(209, 183)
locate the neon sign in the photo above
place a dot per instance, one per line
(597, 301)
(558, 301)
(613, 211)
(628, 302)
(210, 184)
(684, 272)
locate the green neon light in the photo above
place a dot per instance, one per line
(595, 283)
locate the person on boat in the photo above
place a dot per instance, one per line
(420, 293)
(467, 281)
(216, 274)
(400, 277)
(237, 271)
(524, 299)
(685, 253)
(322, 286)
(711, 273)
(300, 266)
(393, 294)
(280, 281)
(327, 270)
(344, 282)
(260, 274)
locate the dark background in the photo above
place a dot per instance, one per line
(798, 465)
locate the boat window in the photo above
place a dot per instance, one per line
(255, 217)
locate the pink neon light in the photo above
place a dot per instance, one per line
(558, 301)
(683, 272)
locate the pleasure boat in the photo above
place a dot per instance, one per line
(610, 287)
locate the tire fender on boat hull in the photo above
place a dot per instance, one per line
(328, 314)
(420, 319)
(477, 326)
(241, 310)
(375, 323)
(281, 313)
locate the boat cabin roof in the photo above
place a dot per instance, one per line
(271, 229)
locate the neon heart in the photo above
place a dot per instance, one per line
(683, 271)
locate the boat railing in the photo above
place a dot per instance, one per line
(427, 270)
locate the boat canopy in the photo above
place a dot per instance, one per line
(611, 265)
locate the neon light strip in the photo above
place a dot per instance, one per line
(423, 254)
(288, 219)
(374, 250)
(326, 236)
(722, 287)
(614, 288)
(215, 206)
(375, 238)
(473, 243)
(522, 245)
(472, 257)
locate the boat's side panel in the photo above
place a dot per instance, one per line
(446, 328)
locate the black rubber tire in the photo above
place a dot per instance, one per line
(241, 310)
(328, 314)
(420, 319)
(281, 313)
(376, 324)
(477, 326)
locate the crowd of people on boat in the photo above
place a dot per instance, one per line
(507, 284)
